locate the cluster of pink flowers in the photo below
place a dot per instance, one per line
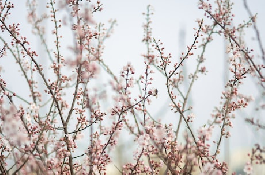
(48, 142)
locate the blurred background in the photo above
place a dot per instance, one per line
(172, 22)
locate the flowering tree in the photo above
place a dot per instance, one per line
(42, 133)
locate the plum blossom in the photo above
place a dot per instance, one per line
(209, 169)
(248, 169)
